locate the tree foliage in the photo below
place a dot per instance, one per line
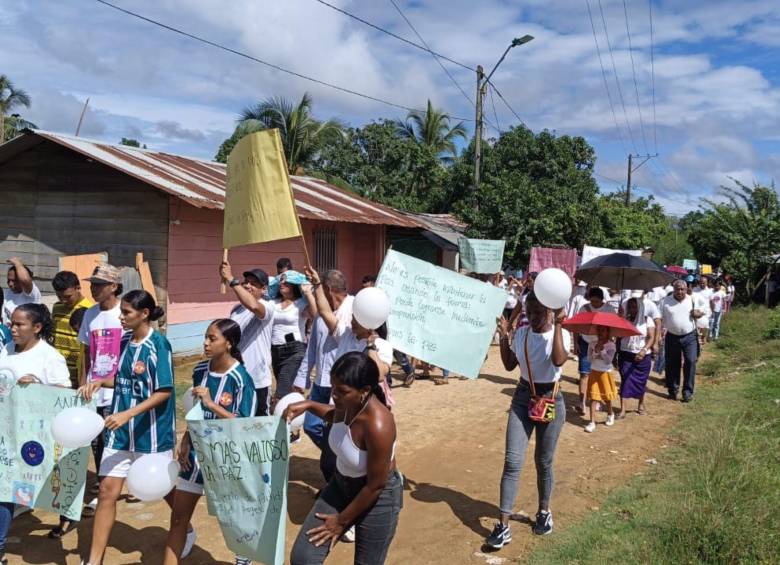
(11, 98)
(635, 226)
(432, 129)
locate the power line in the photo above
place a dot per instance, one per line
(493, 103)
(267, 64)
(398, 37)
(633, 72)
(501, 97)
(617, 78)
(604, 76)
(652, 75)
(605, 177)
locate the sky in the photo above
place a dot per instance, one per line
(714, 74)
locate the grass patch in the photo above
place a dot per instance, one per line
(716, 497)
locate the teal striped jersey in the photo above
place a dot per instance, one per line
(144, 368)
(234, 391)
(5, 337)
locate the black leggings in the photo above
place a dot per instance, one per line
(374, 530)
(285, 361)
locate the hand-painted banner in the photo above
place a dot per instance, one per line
(439, 316)
(690, 264)
(706, 269)
(259, 204)
(589, 252)
(548, 257)
(36, 471)
(483, 256)
(245, 463)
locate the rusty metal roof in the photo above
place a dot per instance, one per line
(202, 183)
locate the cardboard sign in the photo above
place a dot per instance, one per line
(483, 256)
(439, 316)
(690, 264)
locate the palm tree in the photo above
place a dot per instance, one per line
(302, 135)
(432, 128)
(10, 98)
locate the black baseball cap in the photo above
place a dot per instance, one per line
(259, 274)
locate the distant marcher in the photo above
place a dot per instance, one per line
(717, 302)
(283, 264)
(539, 349)
(601, 384)
(635, 356)
(21, 289)
(704, 294)
(679, 320)
(255, 316)
(596, 303)
(67, 287)
(368, 281)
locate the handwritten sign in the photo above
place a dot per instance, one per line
(439, 316)
(484, 256)
(259, 204)
(690, 264)
(706, 269)
(245, 463)
(36, 471)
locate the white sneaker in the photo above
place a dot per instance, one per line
(349, 535)
(192, 535)
(19, 510)
(591, 427)
(610, 420)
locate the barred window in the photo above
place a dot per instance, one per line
(325, 245)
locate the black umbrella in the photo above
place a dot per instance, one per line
(624, 272)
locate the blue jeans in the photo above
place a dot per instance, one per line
(715, 325)
(313, 425)
(6, 516)
(677, 348)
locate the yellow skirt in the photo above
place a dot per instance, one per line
(601, 386)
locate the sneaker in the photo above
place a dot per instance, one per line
(687, 397)
(591, 427)
(610, 420)
(544, 523)
(349, 535)
(501, 536)
(189, 542)
(672, 395)
(243, 560)
(295, 438)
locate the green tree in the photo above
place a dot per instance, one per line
(671, 246)
(302, 136)
(381, 165)
(432, 129)
(740, 234)
(10, 99)
(536, 190)
(635, 226)
(131, 142)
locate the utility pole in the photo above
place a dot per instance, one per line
(632, 169)
(478, 130)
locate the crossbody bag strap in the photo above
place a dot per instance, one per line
(528, 362)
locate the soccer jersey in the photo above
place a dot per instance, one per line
(144, 368)
(233, 390)
(6, 341)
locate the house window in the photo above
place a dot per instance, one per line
(325, 245)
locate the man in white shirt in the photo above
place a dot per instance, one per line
(704, 293)
(678, 317)
(255, 316)
(717, 301)
(21, 289)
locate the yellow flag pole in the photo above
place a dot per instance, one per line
(297, 217)
(222, 286)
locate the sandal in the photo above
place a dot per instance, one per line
(641, 411)
(58, 531)
(440, 381)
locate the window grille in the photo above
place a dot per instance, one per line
(325, 247)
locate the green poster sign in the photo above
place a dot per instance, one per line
(483, 256)
(36, 471)
(437, 315)
(245, 464)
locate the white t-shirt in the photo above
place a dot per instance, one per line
(348, 342)
(701, 302)
(255, 343)
(606, 307)
(676, 316)
(290, 320)
(705, 294)
(11, 300)
(575, 304)
(42, 361)
(540, 348)
(717, 299)
(601, 361)
(650, 308)
(637, 343)
(101, 331)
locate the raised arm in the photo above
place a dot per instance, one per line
(559, 352)
(22, 275)
(508, 357)
(244, 296)
(323, 308)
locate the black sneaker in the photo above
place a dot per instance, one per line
(672, 395)
(687, 397)
(501, 536)
(544, 523)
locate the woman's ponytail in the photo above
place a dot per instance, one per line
(358, 370)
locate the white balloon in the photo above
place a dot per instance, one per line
(371, 307)
(76, 427)
(553, 288)
(152, 476)
(297, 423)
(187, 401)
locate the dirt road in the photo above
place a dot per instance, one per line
(450, 450)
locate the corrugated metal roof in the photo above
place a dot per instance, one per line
(202, 183)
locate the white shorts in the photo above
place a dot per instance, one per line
(116, 462)
(186, 485)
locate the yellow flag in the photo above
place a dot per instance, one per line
(259, 203)
(706, 269)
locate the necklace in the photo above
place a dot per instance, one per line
(352, 421)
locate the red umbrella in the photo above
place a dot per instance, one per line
(677, 270)
(587, 323)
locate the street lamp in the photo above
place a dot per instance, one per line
(482, 83)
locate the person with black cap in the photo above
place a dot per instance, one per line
(255, 316)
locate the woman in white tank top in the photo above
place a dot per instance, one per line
(366, 491)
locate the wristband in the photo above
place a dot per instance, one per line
(234, 283)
